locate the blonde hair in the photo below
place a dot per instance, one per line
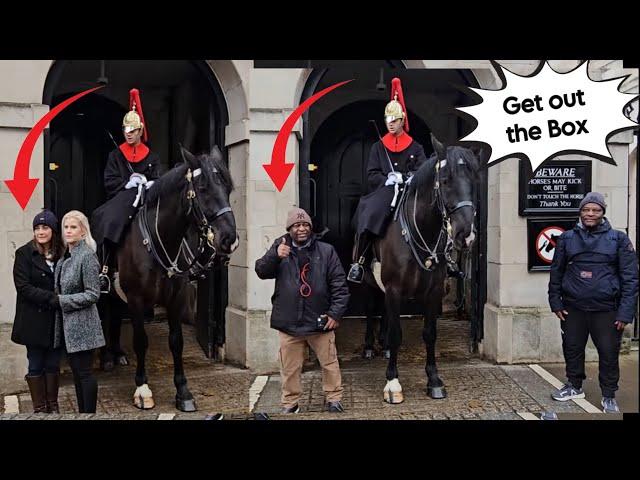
(84, 222)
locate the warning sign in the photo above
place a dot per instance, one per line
(546, 242)
(542, 238)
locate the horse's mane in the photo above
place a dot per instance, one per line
(222, 168)
(172, 180)
(425, 175)
(167, 183)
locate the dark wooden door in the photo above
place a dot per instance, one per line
(340, 150)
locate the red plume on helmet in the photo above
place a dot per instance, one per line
(396, 87)
(135, 103)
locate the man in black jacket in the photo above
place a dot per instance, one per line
(310, 297)
(593, 289)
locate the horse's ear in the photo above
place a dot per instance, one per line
(216, 154)
(438, 147)
(188, 157)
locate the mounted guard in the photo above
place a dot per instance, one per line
(131, 169)
(391, 162)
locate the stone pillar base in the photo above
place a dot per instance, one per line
(524, 335)
(13, 363)
(251, 342)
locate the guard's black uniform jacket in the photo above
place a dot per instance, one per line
(374, 209)
(111, 219)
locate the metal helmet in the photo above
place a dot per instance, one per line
(134, 119)
(396, 107)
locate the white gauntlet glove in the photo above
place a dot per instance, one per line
(134, 180)
(393, 178)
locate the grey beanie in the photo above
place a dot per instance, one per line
(594, 197)
(298, 215)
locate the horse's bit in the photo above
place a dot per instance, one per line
(445, 230)
(206, 235)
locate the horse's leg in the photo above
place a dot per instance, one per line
(104, 311)
(435, 386)
(383, 334)
(117, 307)
(393, 390)
(184, 399)
(369, 336)
(143, 397)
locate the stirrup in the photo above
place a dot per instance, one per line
(105, 281)
(356, 271)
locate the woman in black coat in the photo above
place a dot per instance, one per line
(36, 304)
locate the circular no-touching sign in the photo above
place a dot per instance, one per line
(546, 242)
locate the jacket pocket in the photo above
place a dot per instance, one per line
(593, 283)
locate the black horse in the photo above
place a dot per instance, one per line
(196, 258)
(435, 215)
(193, 196)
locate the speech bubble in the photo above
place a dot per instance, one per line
(548, 113)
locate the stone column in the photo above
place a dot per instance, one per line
(274, 95)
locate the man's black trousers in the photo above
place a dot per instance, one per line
(575, 331)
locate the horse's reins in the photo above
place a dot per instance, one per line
(206, 234)
(445, 229)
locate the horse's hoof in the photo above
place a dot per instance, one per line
(368, 354)
(122, 360)
(214, 416)
(143, 398)
(144, 403)
(393, 397)
(107, 366)
(186, 405)
(386, 354)
(393, 392)
(437, 393)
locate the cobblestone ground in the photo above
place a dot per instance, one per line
(476, 389)
(216, 387)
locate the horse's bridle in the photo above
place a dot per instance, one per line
(206, 235)
(446, 229)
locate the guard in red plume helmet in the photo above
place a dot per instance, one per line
(391, 162)
(396, 107)
(131, 170)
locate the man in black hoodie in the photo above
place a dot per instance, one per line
(310, 297)
(593, 289)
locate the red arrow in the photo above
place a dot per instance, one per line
(21, 185)
(278, 170)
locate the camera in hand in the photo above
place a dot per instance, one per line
(322, 322)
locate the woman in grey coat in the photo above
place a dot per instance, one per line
(77, 325)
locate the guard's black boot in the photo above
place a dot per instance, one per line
(356, 272)
(105, 283)
(103, 278)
